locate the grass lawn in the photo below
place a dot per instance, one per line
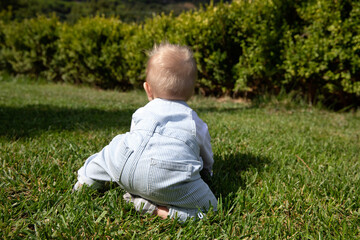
(282, 170)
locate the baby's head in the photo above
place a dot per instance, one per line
(171, 73)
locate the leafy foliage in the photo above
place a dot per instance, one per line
(91, 52)
(71, 11)
(244, 48)
(324, 59)
(29, 47)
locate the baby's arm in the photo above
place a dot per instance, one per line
(203, 138)
(97, 170)
(206, 152)
(89, 173)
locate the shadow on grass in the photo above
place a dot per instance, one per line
(228, 170)
(31, 120)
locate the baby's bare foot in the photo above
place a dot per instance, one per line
(162, 212)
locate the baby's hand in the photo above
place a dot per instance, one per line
(77, 186)
(99, 186)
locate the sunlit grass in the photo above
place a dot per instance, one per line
(280, 171)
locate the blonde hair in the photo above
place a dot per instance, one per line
(171, 71)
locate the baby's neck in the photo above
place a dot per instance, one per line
(170, 99)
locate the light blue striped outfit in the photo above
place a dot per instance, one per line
(160, 159)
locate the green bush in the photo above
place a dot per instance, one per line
(201, 30)
(205, 31)
(29, 47)
(91, 52)
(324, 59)
(140, 39)
(257, 29)
(245, 48)
(3, 62)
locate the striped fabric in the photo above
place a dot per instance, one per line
(158, 160)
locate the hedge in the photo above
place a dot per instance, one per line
(323, 60)
(28, 47)
(244, 48)
(91, 52)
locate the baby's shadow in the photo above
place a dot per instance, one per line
(27, 121)
(228, 169)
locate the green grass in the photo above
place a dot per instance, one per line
(282, 170)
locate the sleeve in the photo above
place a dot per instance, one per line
(132, 125)
(97, 168)
(204, 140)
(136, 117)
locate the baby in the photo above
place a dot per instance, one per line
(158, 162)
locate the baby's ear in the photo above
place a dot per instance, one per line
(148, 91)
(145, 85)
